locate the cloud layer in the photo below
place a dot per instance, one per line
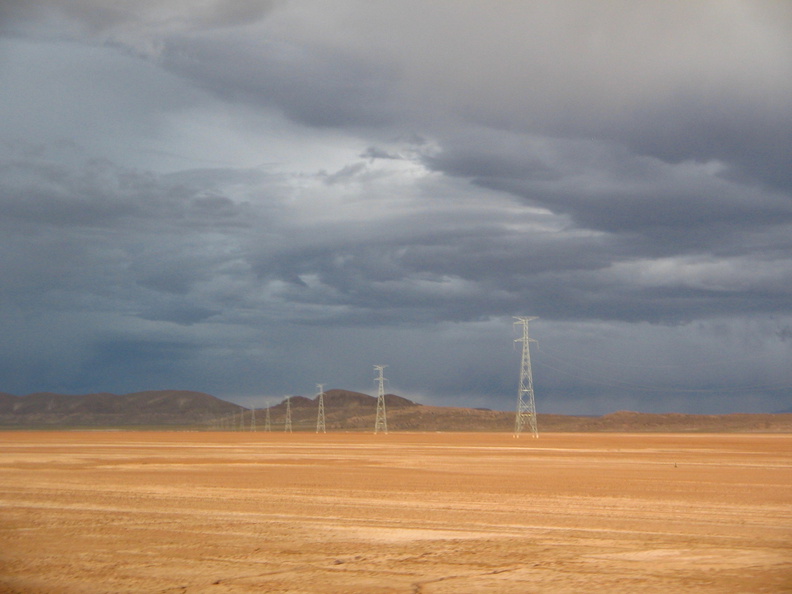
(248, 198)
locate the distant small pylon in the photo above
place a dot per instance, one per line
(288, 424)
(267, 420)
(320, 417)
(253, 418)
(381, 422)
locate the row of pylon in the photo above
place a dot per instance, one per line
(380, 423)
(526, 406)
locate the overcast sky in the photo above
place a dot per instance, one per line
(248, 198)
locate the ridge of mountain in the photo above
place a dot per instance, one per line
(345, 410)
(346, 399)
(155, 407)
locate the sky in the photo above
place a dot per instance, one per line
(249, 198)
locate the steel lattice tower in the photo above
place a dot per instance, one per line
(381, 423)
(253, 418)
(320, 417)
(267, 421)
(288, 425)
(526, 407)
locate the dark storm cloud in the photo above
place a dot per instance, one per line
(102, 230)
(395, 187)
(641, 208)
(333, 88)
(753, 139)
(430, 274)
(95, 192)
(604, 187)
(109, 358)
(135, 354)
(179, 313)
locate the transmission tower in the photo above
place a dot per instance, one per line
(288, 425)
(253, 418)
(320, 417)
(267, 421)
(381, 423)
(526, 407)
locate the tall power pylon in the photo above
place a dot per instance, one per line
(526, 407)
(287, 425)
(253, 418)
(320, 417)
(381, 423)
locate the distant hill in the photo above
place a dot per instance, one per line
(158, 407)
(344, 411)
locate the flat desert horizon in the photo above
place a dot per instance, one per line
(196, 512)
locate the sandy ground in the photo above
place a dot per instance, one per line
(87, 512)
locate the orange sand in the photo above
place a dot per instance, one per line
(84, 512)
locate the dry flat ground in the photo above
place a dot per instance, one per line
(90, 512)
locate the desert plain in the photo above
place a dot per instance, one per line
(220, 512)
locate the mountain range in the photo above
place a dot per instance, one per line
(344, 411)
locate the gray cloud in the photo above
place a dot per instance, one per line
(131, 16)
(256, 193)
(334, 88)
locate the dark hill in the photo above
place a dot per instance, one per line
(344, 410)
(158, 407)
(353, 400)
